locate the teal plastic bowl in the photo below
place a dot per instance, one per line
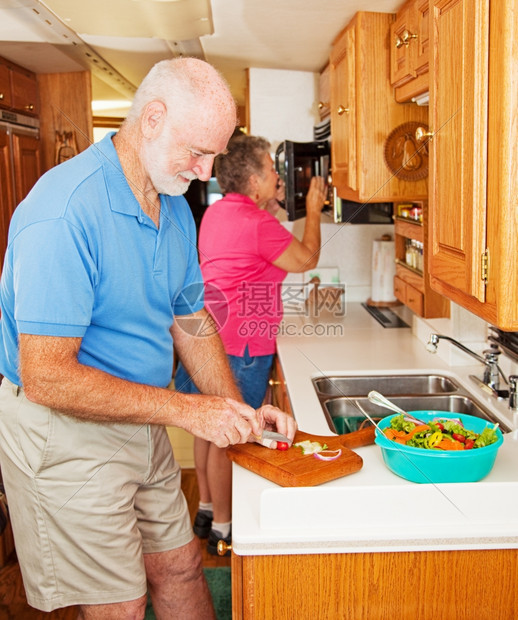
(434, 466)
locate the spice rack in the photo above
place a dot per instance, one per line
(412, 282)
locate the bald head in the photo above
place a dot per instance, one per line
(182, 116)
(182, 83)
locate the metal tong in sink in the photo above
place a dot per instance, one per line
(378, 399)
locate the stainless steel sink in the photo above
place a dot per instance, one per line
(341, 398)
(388, 385)
(344, 414)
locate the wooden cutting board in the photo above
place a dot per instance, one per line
(291, 468)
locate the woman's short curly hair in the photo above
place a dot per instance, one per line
(243, 158)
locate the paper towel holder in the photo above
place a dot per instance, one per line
(383, 304)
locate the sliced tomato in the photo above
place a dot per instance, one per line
(469, 444)
(459, 437)
(282, 445)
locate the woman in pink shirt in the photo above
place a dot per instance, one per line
(245, 254)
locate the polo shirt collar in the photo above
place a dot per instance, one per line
(122, 199)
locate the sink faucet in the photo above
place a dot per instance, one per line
(492, 372)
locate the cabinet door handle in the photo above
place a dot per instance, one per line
(323, 104)
(399, 43)
(421, 133)
(406, 36)
(29, 107)
(342, 110)
(1, 96)
(222, 547)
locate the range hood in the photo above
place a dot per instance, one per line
(100, 35)
(170, 20)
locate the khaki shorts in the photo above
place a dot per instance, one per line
(86, 501)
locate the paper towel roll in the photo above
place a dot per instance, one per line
(383, 271)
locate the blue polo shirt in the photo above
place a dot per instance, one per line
(83, 260)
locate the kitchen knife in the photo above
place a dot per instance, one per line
(268, 437)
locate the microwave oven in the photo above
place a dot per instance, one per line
(296, 163)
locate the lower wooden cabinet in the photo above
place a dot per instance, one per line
(446, 585)
(280, 396)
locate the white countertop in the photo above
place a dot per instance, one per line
(373, 509)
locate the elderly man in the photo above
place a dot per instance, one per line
(100, 278)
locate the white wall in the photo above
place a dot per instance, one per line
(349, 248)
(283, 104)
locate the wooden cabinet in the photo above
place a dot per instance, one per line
(27, 163)
(26, 153)
(473, 246)
(20, 168)
(412, 281)
(280, 396)
(324, 94)
(5, 86)
(67, 108)
(18, 89)
(364, 112)
(362, 586)
(6, 188)
(409, 52)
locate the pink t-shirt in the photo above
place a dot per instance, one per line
(237, 244)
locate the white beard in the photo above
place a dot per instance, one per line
(172, 186)
(155, 159)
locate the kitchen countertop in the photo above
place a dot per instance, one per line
(373, 509)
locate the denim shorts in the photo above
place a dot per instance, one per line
(251, 375)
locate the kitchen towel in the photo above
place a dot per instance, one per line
(383, 271)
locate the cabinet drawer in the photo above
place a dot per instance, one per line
(400, 289)
(409, 296)
(414, 299)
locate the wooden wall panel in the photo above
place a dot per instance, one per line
(66, 100)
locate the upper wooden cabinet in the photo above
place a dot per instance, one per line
(323, 94)
(364, 112)
(18, 89)
(5, 86)
(473, 157)
(409, 52)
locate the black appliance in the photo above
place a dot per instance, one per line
(296, 163)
